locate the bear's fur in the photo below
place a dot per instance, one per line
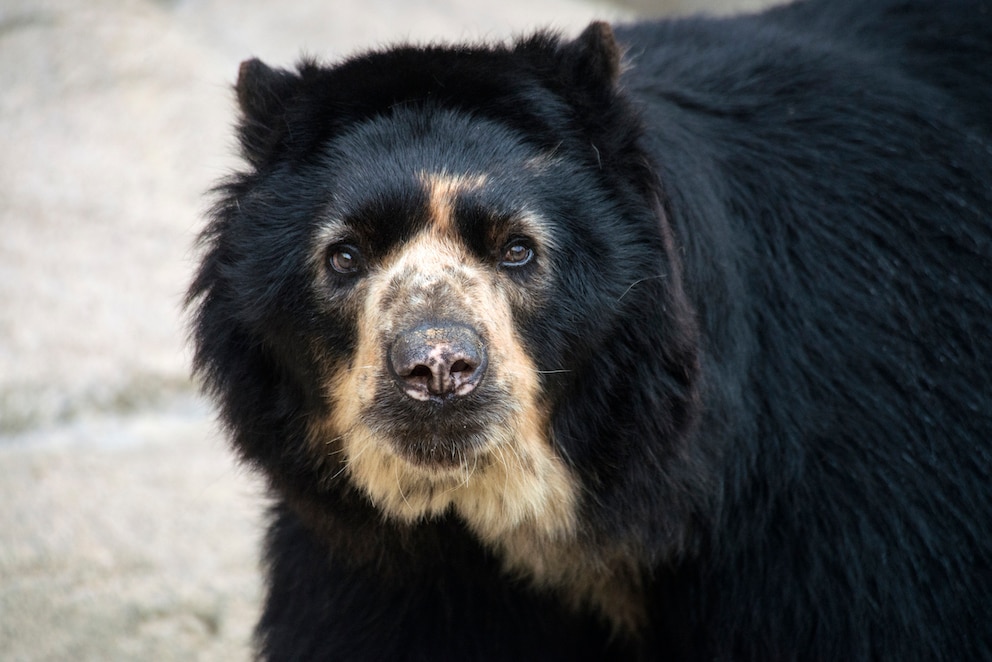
(668, 344)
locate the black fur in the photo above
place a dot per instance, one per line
(767, 334)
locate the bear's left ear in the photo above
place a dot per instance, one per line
(264, 95)
(595, 56)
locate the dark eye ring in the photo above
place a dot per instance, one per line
(344, 259)
(517, 253)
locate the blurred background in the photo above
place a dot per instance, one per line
(127, 530)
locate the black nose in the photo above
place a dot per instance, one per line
(437, 360)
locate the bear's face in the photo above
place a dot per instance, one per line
(437, 251)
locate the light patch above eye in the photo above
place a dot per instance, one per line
(442, 190)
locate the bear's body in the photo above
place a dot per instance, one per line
(546, 360)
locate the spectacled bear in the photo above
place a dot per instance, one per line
(668, 343)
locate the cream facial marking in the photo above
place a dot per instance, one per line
(516, 475)
(442, 189)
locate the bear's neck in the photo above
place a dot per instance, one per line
(587, 576)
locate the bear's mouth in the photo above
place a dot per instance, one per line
(438, 433)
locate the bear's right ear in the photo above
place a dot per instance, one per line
(264, 95)
(596, 56)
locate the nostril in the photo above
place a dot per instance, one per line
(462, 366)
(419, 371)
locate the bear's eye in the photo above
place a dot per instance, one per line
(344, 259)
(517, 253)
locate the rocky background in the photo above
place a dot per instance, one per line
(127, 530)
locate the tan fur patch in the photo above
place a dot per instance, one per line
(603, 579)
(518, 477)
(442, 189)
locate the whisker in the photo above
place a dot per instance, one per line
(471, 471)
(638, 282)
(399, 486)
(468, 472)
(344, 467)
(346, 461)
(506, 468)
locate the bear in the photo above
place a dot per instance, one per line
(669, 341)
